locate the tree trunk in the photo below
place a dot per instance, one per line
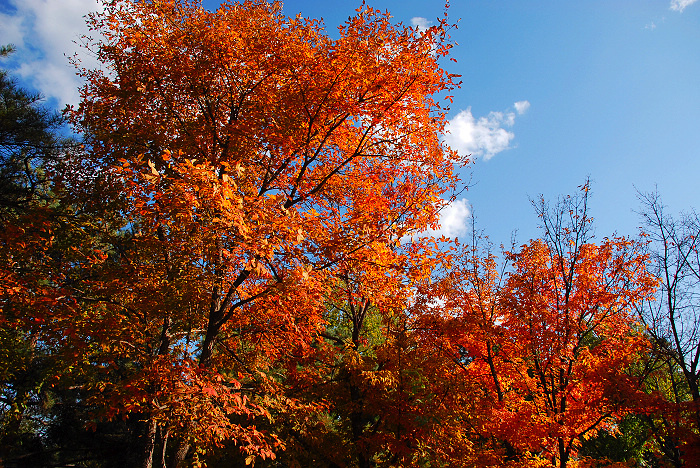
(164, 448)
(150, 444)
(563, 454)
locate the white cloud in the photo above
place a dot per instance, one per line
(11, 32)
(680, 5)
(453, 220)
(521, 107)
(421, 23)
(485, 136)
(46, 32)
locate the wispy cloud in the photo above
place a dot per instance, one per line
(453, 221)
(485, 136)
(11, 32)
(521, 107)
(45, 33)
(421, 23)
(680, 5)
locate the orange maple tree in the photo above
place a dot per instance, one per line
(551, 336)
(254, 157)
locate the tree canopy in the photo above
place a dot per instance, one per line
(232, 267)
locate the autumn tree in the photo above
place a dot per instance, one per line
(253, 157)
(550, 336)
(672, 318)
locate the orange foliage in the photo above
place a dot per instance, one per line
(551, 338)
(246, 282)
(256, 158)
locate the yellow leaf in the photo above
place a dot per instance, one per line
(153, 168)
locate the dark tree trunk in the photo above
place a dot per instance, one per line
(149, 444)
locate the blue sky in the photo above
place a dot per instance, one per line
(606, 89)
